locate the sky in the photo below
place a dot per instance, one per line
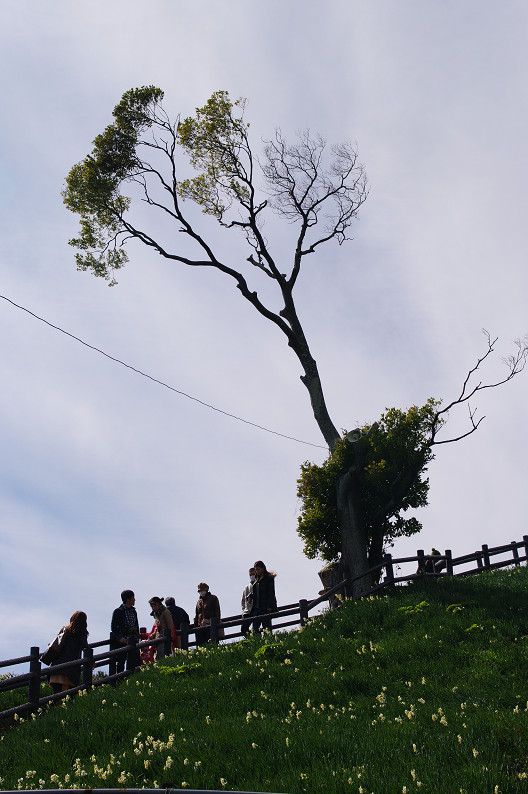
(109, 480)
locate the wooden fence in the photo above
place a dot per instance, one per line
(123, 661)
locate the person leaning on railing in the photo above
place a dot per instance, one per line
(74, 639)
(432, 565)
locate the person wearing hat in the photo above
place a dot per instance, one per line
(207, 607)
(163, 620)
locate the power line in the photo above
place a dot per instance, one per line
(156, 380)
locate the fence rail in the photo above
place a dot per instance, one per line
(123, 661)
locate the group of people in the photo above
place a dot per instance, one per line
(258, 602)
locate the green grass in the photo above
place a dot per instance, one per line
(422, 690)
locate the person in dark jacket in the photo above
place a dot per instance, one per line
(264, 600)
(124, 624)
(207, 607)
(179, 616)
(74, 639)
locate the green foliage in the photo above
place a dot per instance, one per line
(396, 453)
(182, 669)
(267, 651)
(215, 140)
(93, 185)
(412, 609)
(364, 698)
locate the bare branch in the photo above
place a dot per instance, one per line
(515, 364)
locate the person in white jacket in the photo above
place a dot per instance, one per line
(247, 603)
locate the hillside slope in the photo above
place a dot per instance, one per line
(423, 689)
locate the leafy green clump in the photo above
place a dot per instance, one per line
(396, 453)
(93, 186)
(183, 669)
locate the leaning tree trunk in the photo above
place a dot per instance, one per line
(352, 524)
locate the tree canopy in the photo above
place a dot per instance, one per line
(395, 452)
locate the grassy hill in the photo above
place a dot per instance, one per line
(421, 690)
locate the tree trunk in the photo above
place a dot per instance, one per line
(375, 552)
(311, 379)
(354, 534)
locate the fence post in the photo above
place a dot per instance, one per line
(213, 630)
(131, 657)
(515, 553)
(87, 656)
(303, 611)
(421, 560)
(34, 682)
(525, 541)
(449, 562)
(112, 662)
(485, 555)
(184, 636)
(389, 571)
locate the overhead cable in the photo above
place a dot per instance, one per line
(156, 380)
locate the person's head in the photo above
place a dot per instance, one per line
(170, 602)
(156, 603)
(128, 598)
(203, 589)
(252, 575)
(78, 623)
(260, 568)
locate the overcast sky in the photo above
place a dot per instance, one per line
(110, 481)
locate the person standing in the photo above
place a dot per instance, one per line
(124, 625)
(164, 622)
(74, 639)
(179, 616)
(264, 600)
(247, 603)
(207, 607)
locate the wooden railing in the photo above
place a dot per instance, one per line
(388, 573)
(127, 657)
